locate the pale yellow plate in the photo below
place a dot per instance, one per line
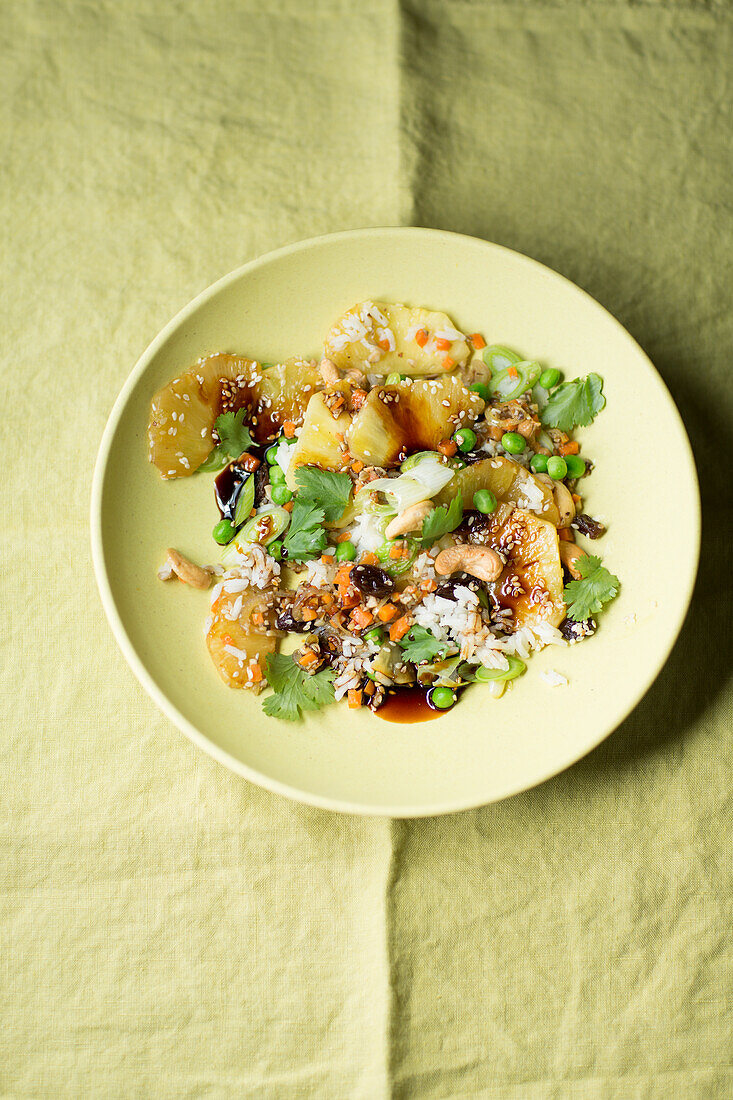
(644, 488)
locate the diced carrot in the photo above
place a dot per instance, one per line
(421, 337)
(307, 658)
(570, 448)
(288, 429)
(227, 639)
(308, 615)
(448, 447)
(358, 397)
(384, 344)
(258, 618)
(327, 559)
(398, 551)
(345, 536)
(288, 506)
(387, 613)
(357, 466)
(343, 574)
(512, 372)
(399, 628)
(477, 340)
(254, 673)
(448, 363)
(369, 559)
(253, 512)
(428, 586)
(362, 617)
(349, 599)
(340, 436)
(369, 687)
(566, 534)
(354, 697)
(576, 499)
(442, 344)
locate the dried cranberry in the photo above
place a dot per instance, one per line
(588, 526)
(573, 632)
(371, 580)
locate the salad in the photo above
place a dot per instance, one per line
(408, 507)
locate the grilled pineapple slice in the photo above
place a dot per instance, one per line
(508, 481)
(321, 440)
(239, 634)
(283, 394)
(531, 584)
(379, 337)
(410, 416)
(183, 413)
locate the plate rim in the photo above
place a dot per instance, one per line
(158, 696)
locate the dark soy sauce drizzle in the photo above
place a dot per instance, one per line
(408, 705)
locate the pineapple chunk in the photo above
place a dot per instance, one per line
(237, 634)
(410, 416)
(531, 584)
(508, 481)
(321, 440)
(379, 337)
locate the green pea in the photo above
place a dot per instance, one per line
(393, 378)
(550, 378)
(281, 494)
(481, 390)
(465, 438)
(275, 548)
(290, 441)
(485, 501)
(270, 454)
(277, 477)
(224, 532)
(575, 465)
(513, 442)
(346, 551)
(375, 635)
(538, 465)
(557, 467)
(442, 698)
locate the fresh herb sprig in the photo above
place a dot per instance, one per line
(586, 597)
(294, 689)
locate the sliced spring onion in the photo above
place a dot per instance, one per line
(217, 460)
(486, 675)
(397, 566)
(523, 377)
(250, 533)
(402, 491)
(498, 358)
(245, 501)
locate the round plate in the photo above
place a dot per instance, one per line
(643, 487)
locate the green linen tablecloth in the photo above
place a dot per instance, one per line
(167, 929)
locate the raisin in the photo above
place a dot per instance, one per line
(588, 526)
(371, 580)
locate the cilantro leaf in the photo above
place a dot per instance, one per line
(574, 403)
(294, 690)
(442, 520)
(588, 595)
(420, 644)
(328, 490)
(234, 437)
(305, 537)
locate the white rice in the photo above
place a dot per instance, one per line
(553, 678)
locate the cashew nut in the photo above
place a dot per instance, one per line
(569, 554)
(187, 572)
(562, 497)
(328, 370)
(479, 561)
(409, 520)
